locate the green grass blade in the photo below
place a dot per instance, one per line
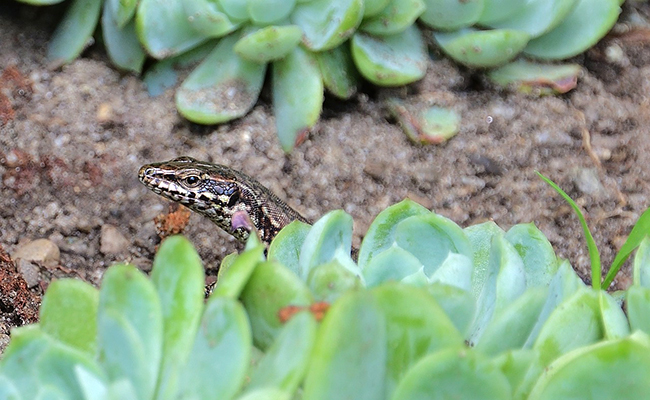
(591, 244)
(640, 230)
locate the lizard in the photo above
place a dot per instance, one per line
(234, 201)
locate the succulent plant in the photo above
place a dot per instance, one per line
(313, 45)
(430, 310)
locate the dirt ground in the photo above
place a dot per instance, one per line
(72, 140)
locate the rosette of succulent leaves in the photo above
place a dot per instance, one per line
(317, 45)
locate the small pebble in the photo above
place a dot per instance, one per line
(39, 250)
(111, 241)
(588, 182)
(29, 271)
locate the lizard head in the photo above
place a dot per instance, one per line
(200, 186)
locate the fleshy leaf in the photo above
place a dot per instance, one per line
(504, 283)
(263, 12)
(392, 264)
(536, 251)
(297, 96)
(393, 60)
(339, 73)
(223, 343)
(458, 304)
(179, 279)
(285, 363)
(223, 87)
(381, 233)
(271, 288)
(269, 43)
(482, 49)
(430, 238)
(69, 313)
(74, 32)
(329, 235)
(573, 324)
(499, 10)
(589, 21)
(453, 373)
(337, 368)
(164, 29)
(415, 327)
(164, 74)
(285, 247)
(233, 280)
(541, 79)
(121, 42)
(431, 125)
(329, 280)
(511, 328)
(537, 16)
(394, 18)
(327, 23)
(130, 327)
(590, 370)
(451, 14)
(207, 19)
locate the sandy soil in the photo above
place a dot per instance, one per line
(74, 138)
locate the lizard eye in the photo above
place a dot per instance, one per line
(192, 180)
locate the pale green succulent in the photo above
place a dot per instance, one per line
(313, 45)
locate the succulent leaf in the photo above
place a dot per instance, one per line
(329, 280)
(179, 279)
(207, 19)
(223, 343)
(237, 10)
(339, 73)
(373, 7)
(330, 235)
(164, 29)
(458, 304)
(130, 328)
(223, 87)
(395, 18)
(285, 363)
(69, 313)
(415, 326)
(512, 327)
(121, 41)
(263, 12)
(381, 233)
(269, 43)
(271, 288)
(390, 60)
(453, 373)
(123, 10)
(297, 96)
(499, 10)
(541, 79)
(285, 248)
(164, 73)
(586, 369)
(536, 251)
(451, 14)
(587, 23)
(537, 16)
(482, 49)
(338, 369)
(74, 32)
(233, 279)
(392, 264)
(327, 23)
